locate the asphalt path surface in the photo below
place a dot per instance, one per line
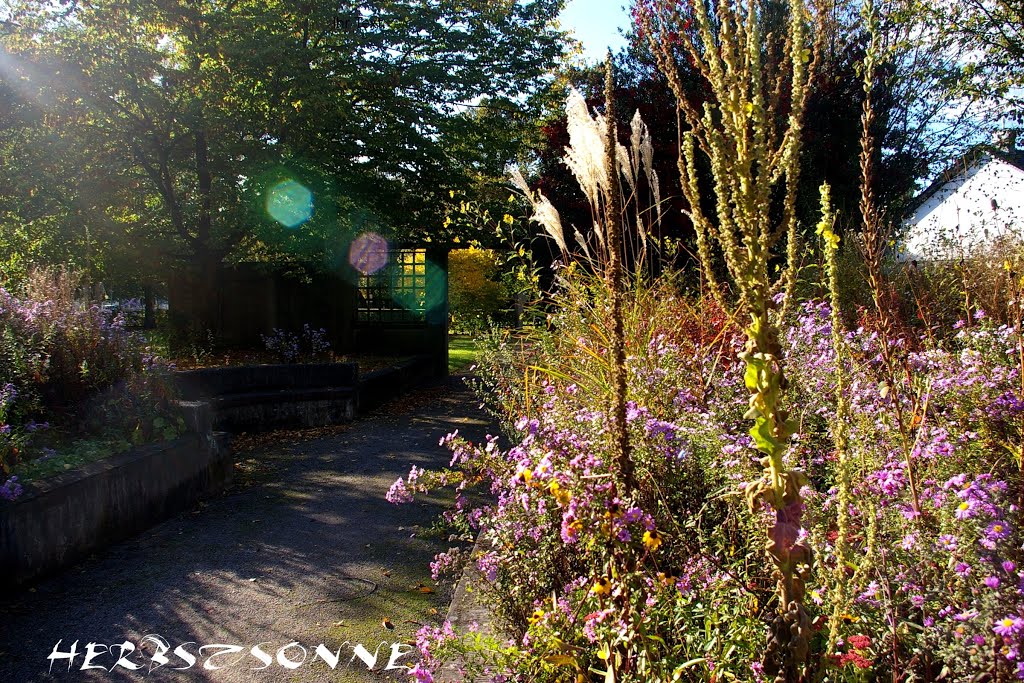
(303, 550)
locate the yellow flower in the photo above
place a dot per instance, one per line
(508, 219)
(561, 495)
(537, 615)
(652, 539)
(602, 586)
(525, 475)
(613, 511)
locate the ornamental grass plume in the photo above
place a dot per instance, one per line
(544, 212)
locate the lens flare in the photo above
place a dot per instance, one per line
(368, 253)
(289, 203)
(427, 296)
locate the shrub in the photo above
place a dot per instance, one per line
(476, 295)
(309, 346)
(57, 353)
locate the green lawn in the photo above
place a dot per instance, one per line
(461, 353)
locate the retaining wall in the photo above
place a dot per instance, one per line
(64, 518)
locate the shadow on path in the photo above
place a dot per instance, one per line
(314, 554)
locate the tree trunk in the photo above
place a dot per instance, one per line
(149, 297)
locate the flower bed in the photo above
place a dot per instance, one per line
(672, 581)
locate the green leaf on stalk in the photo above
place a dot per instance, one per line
(763, 438)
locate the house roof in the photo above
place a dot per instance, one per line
(961, 165)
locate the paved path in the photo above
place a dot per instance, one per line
(312, 554)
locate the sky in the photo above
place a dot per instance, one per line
(596, 24)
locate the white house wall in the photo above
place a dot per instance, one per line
(975, 207)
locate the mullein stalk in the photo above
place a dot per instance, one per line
(840, 424)
(750, 155)
(613, 223)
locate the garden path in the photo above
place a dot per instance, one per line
(304, 548)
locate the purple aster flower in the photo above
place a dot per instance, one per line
(997, 531)
(992, 582)
(11, 489)
(398, 493)
(965, 510)
(1009, 626)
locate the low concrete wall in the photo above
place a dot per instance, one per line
(380, 386)
(207, 382)
(64, 518)
(258, 397)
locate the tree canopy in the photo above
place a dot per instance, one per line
(173, 127)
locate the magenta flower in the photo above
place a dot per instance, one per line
(421, 675)
(398, 493)
(1009, 626)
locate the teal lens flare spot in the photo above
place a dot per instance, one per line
(289, 203)
(419, 287)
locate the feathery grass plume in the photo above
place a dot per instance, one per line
(641, 141)
(624, 159)
(584, 156)
(750, 128)
(544, 211)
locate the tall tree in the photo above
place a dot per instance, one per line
(190, 115)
